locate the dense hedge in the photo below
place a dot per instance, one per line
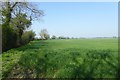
(11, 39)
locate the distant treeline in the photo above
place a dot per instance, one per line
(62, 37)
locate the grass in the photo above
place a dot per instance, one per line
(83, 44)
(72, 58)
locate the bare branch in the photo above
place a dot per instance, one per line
(14, 5)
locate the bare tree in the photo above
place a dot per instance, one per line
(44, 34)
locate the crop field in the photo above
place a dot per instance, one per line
(67, 58)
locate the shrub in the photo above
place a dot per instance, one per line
(9, 38)
(27, 37)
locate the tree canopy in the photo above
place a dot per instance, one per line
(16, 19)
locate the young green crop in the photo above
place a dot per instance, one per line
(73, 58)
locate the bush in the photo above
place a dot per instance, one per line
(53, 37)
(27, 37)
(9, 38)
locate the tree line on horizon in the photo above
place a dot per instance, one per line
(44, 35)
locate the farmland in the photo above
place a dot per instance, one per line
(69, 58)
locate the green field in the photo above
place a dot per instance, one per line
(70, 58)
